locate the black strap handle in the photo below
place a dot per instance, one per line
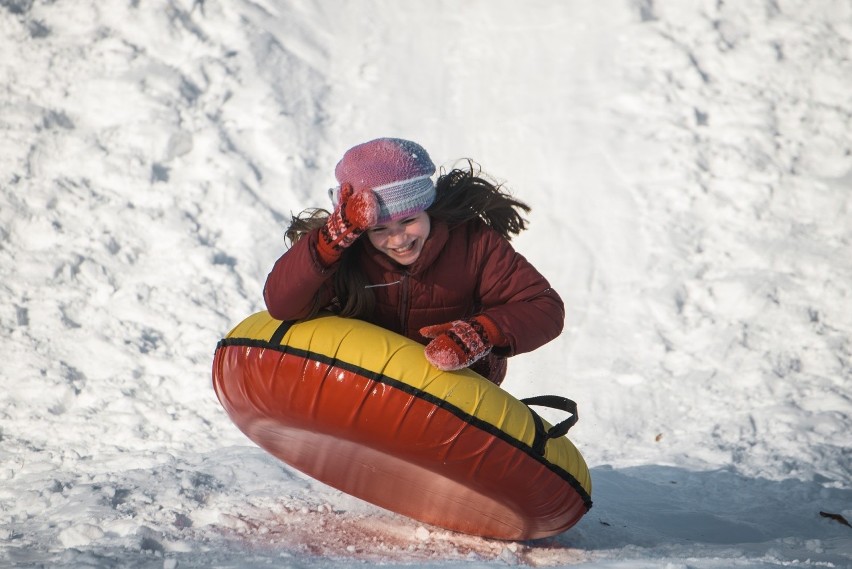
(279, 333)
(557, 430)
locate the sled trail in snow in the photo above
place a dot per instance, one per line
(383, 538)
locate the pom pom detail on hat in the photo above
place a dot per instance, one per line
(398, 171)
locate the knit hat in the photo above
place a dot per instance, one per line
(397, 171)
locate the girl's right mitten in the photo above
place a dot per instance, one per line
(354, 214)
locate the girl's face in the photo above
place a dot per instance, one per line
(401, 240)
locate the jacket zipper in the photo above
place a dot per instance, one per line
(403, 304)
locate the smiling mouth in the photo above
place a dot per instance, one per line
(403, 250)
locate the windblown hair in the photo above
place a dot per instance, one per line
(461, 195)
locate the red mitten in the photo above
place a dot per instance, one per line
(460, 343)
(354, 214)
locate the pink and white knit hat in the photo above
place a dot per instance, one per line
(398, 171)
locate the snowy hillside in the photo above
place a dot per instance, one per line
(689, 166)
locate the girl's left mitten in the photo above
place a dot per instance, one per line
(460, 343)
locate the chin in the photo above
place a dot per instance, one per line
(407, 260)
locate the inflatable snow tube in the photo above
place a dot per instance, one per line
(359, 408)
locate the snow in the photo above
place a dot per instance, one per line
(689, 165)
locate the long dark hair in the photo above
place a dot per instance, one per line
(464, 195)
(461, 195)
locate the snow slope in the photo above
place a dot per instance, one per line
(689, 164)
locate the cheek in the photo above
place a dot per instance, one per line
(425, 226)
(376, 240)
(422, 232)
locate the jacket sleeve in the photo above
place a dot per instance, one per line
(298, 281)
(517, 297)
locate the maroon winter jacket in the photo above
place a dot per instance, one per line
(461, 272)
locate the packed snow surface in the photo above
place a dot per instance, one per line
(689, 166)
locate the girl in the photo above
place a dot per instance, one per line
(436, 265)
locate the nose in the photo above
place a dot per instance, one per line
(396, 234)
